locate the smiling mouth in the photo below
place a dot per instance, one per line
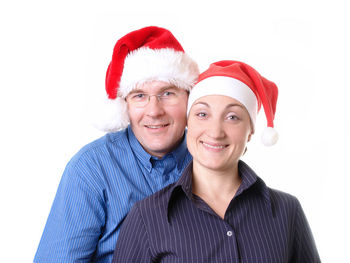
(156, 126)
(216, 147)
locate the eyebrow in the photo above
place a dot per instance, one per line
(235, 105)
(228, 106)
(161, 89)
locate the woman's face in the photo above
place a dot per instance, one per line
(218, 129)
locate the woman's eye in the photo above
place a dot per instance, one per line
(201, 114)
(232, 117)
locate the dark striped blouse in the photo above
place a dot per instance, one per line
(174, 225)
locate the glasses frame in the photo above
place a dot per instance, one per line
(161, 98)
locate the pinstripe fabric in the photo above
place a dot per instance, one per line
(99, 186)
(260, 225)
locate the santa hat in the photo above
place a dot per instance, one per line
(243, 83)
(148, 54)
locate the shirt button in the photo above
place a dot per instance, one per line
(229, 233)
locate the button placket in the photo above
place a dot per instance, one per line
(230, 232)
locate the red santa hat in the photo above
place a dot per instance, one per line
(148, 54)
(243, 83)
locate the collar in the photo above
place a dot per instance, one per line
(147, 159)
(249, 181)
(180, 153)
(182, 186)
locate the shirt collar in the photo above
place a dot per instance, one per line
(185, 181)
(178, 154)
(249, 180)
(138, 150)
(183, 185)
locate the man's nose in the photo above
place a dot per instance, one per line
(154, 106)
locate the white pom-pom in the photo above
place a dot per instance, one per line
(269, 136)
(111, 115)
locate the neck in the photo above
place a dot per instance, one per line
(161, 153)
(216, 188)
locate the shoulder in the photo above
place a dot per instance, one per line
(89, 163)
(117, 139)
(157, 199)
(102, 147)
(156, 204)
(284, 201)
(282, 197)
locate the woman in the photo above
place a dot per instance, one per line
(220, 210)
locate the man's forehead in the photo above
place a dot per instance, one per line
(153, 86)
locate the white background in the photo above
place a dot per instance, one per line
(53, 59)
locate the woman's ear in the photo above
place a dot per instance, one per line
(249, 137)
(250, 134)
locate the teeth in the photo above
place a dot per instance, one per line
(155, 126)
(213, 147)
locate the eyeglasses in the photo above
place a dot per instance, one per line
(167, 97)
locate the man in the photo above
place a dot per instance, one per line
(147, 84)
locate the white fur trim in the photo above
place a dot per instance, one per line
(112, 115)
(145, 64)
(227, 86)
(269, 136)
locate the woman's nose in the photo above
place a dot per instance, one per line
(215, 129)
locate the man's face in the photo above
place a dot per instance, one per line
(159, 124)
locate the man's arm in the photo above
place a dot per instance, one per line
(75, 221)
(133, 243)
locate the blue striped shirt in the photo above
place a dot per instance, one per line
(99, 186)
(261, 225)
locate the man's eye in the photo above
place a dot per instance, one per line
(168, 94)
(138, 96)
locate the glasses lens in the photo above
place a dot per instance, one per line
(168, 97)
